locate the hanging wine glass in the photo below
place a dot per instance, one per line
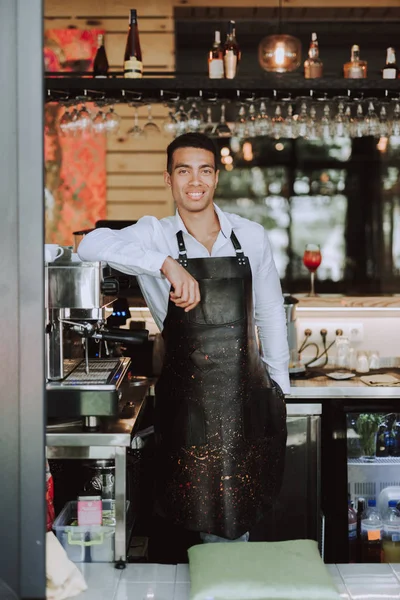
(312, 125)
(263, 125)
(395, 126)
(240, 125)
(150, 128)
(65, 122)
(339, 122)
(278, 123)
(195, 118)
(112, 121)
(349, 120)
(371, 119)
(222, 128)
(290, 124)
(84, 120)
(170, 125)
(209, 125)
(384, 128)
(182, 120)
(302, 121)
(99, 122)
(136, 131)
(358, 125)
(74, 123)
(325, 125)
(252, 122)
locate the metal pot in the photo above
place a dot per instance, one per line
(102, 478)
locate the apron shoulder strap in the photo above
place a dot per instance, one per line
(182, 249)
(183, 252)
(236, 245)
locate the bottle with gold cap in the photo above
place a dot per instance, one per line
(313, 66)
(390, 70)
(355, 68)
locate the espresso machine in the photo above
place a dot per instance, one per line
(79, 385)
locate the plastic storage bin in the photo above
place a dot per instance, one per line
(91, 543)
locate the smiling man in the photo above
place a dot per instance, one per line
(210, 281)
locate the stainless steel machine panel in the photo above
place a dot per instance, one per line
(74, 285)
(94, 394)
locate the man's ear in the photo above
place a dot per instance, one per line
(167, 178)
(216, 177)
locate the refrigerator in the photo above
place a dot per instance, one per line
(360, 460)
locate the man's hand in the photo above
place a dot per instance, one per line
(186, 291)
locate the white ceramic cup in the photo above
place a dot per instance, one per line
(52, 252)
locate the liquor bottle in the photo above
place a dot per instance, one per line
(133, 65)
(313, 66)
(390, 70)
(100, 63)
(231, 52)
(356, 68)
(216, 59)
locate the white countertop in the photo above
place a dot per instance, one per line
(145, 581)
(321, 387)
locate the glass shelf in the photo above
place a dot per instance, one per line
(378, 460)
(169, 86)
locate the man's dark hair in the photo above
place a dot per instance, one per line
(191, 140)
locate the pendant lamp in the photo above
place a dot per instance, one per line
(280, 53)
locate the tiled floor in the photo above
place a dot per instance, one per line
(170, 582)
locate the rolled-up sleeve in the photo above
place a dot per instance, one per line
(131, 250)
(270, 318)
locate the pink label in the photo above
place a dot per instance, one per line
(90, 512)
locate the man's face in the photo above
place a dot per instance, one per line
(193, 178)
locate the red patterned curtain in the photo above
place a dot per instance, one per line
(75, 167)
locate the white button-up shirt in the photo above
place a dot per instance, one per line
(142, 248)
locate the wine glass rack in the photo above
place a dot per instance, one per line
(165, 87)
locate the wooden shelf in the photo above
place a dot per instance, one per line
(164, 88)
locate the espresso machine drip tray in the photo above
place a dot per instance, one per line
(101, 372)
(97, 393)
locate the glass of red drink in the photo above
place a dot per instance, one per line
(312, 259)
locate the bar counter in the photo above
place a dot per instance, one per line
(323, 387)
(111, 442)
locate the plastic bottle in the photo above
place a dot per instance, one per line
(391, 534)
(371, 534)
(352, 532)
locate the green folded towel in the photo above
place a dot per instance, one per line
(291, 570)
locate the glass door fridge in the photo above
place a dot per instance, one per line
(361, 479)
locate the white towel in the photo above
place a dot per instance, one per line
(64, 579)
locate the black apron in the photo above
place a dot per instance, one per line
(220, 420)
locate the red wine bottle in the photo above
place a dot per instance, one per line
(133, 65)
(100, 64)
